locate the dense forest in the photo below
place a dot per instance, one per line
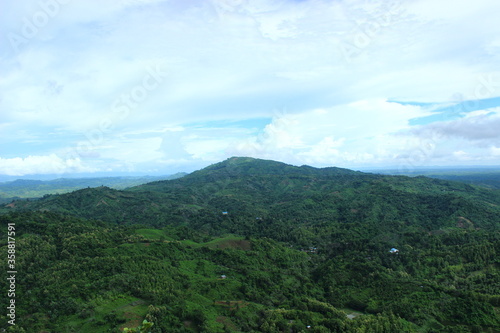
(251, 245)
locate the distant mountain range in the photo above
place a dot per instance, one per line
(26, 188)
(488, 177)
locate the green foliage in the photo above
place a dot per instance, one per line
(23, 188)
(299, 247)
(484, 177)
(145, 327)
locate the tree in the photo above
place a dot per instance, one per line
(144, 328)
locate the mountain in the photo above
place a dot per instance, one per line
(26, 188)
(248, 188)
(250, 245)
(488, 177)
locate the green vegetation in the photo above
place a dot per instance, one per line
(297, 249)
(487, 177)
(23, 188)
(143, 328)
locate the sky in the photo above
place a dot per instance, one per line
(162, 86)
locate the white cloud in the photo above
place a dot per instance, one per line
(352, 134)
(50, 164)
(481, 126)
(495, 151)
(460, 154)
(241, 59)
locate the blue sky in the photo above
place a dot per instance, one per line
(156, 87)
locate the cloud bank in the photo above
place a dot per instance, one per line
(151, 86)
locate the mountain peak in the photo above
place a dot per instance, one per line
(249, 165)
(240, 165)
(238, 160)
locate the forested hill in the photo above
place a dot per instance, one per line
(237, 167)
(250, 245)
(248, 188)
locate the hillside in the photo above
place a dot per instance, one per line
(299, 246)
(25, 188)
(488, 177)
(485, 179)
(248, 189)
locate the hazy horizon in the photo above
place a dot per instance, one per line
(382, 169)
